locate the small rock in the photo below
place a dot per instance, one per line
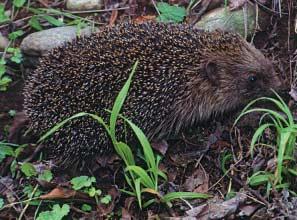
(80, 5)
(3, 42)
(225, 19)
(38, 43)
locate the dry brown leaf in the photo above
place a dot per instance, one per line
(197, 182)
(59, 193)
(143, 19)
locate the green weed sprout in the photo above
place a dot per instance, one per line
(286, 130)
(140, 179)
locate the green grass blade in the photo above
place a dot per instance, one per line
(148, 203)
(258, 133)
(260, 178)
(184, 195)
(144, 177)
(275, 114)
(128, 192)
(126, 153)
(286, 108)
(130, 181)
(120, 99)
(284, 137)
(147, 149)
(138, 192)
(62, 123)
(243, 112)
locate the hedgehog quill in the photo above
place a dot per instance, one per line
(185, 76)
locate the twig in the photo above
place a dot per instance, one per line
(21, 19)
(94, 11)
(154, 3)
(253, 192)
(269, 9)
(15, 203)
(27, 204)
(200, 13)
(225, 174)
(238, 181)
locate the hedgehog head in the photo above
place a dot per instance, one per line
(231, 73)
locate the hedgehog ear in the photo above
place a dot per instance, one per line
(211, 70)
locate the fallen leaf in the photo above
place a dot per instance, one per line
(160, 146)
(218, 210)
(197, 182)
(63, 193)
(293, 94)
(144, 19)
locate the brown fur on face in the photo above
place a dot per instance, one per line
(184, 76)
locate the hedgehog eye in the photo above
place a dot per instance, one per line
(252, 78)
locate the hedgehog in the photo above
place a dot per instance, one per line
(184, 77)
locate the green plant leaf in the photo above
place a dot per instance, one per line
(1, 202)
(144, 177)
(46, 175)
(284, 137)
(258, 133)
(12, 113)
(17, 55)
(183, 195)
(3, 16)
(2, 69)
(138, 192)
(282, 186)
(125, 152)
(57, 213)
(120, 99)
(31, 192)
(6, 151)
(82, 181)
(260, 178)
(106, 199)
(147, 149)
(28, 169)
(226, 158)
(53, 20)
(149, 202)
(170, 13)
(4, 82)
(14, 35)
(62, 123)
(86, 208)
(92, 191)
(34, 23)
(18, 3)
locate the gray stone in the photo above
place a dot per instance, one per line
(39, 43)
(80, 5)
(3, 42)
(234, 21)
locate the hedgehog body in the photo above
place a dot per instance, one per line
(184, 76)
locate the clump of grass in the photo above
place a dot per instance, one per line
(140, 179)
(283, 123)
